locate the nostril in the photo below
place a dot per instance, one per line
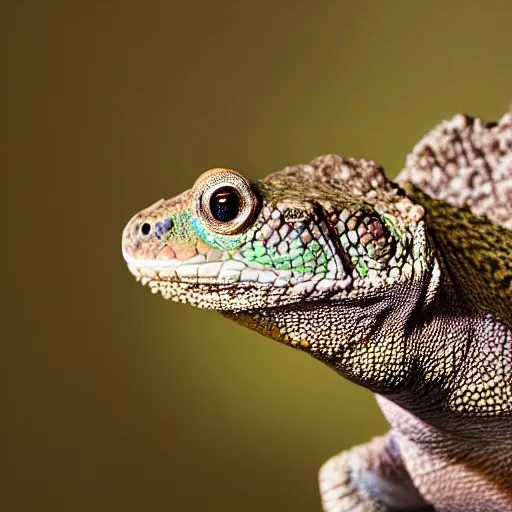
(145, 229)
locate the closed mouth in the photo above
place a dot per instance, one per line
(201, 271)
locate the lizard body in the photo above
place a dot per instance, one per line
(406, 290)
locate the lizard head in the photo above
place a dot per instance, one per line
(323, 231)
(266, 253)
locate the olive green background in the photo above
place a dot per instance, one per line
(117, 399)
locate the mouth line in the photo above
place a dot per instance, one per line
(198, 270)
(155, 263)
(225, 283)
(211, 281)
(224, 272)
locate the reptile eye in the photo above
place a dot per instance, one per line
(145, 229)
(225, 201)
(225, 204)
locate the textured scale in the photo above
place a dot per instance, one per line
(465, 161)
(406, 290)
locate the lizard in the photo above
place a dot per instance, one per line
(403, 287)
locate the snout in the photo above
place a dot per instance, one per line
(138, 239)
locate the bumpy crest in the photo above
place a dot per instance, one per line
(465, 161)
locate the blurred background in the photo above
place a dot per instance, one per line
(117, 399)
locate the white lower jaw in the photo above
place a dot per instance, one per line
(198, 270)
(228, 270)
(156, 263)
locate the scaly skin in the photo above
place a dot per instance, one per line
(391, 287)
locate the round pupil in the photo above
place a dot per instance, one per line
(224, 204)
(145, 228)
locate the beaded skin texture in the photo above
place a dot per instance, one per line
(404, 288)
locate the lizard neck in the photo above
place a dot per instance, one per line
(363, 338)
(422, 343)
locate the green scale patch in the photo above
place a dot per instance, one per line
(298, 246)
